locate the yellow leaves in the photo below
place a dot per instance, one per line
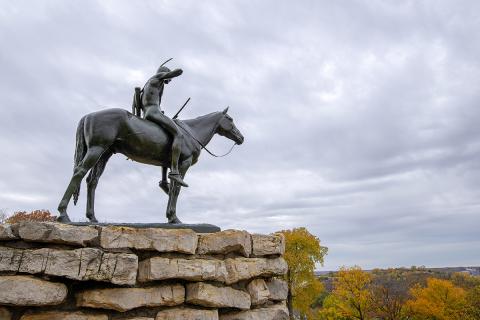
(439, 300)
(306, 296)
(351, 297)
(302, 252)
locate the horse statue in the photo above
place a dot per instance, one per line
(103, 133)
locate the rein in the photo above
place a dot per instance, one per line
(180, 124)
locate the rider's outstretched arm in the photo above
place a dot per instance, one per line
(168, 75)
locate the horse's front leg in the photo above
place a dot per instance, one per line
(174, 192)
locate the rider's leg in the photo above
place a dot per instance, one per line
(155, 115)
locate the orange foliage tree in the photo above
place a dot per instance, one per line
(35, 215)
(439, 300)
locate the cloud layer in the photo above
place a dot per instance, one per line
(360, 117)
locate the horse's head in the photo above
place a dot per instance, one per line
(227, 128)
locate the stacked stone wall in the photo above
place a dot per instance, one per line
(52, 271)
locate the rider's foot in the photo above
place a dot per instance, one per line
(177, 178)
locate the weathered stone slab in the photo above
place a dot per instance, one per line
(197, 227)
(278, 289)
(140, 318)
(187, 314)
(6, 232)
(10, 259)
(162, 240)
(124, 299)
(274, 312)
(79, 264)
(57, 315)
(248, 268)
(158, 268)
(258, 291)
(7, 315)
(30, 291)
(207, 295)
(225, 242)
(52, 232)
(264, 245)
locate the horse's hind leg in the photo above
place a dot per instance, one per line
(91, 157)
(163, 184)
(92, 182)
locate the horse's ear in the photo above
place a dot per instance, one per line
(226, 110)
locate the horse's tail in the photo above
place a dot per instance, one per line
(80, 151)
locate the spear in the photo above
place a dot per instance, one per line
(178, 112)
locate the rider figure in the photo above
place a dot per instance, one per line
(151, 99)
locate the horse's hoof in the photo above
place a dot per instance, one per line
(91, 217)
(175, 221)
(63, 218)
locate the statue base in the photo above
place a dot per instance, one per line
(198, 228)
(101, 272)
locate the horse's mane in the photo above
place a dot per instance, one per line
(199, 118)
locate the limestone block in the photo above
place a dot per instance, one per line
(10, 259)
(274, 312)
(124, 299)
(187, 314)
(6, 232)
(278, 289)
(264, 245)
(6, 315)
(93, 264)
(55, 232)
(225, 242)
(258, 291)
(57, 315)
(162, 240)
(79, 264)
(207, 295)
(30, 291)
(158, 268)
(248, 268)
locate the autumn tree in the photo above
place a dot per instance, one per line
(35, 215)
(389, 292)
(471, 284)
(439, 300)
(302, 252)
(351, 297)
(465, 280)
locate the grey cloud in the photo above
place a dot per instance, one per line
(360, 117)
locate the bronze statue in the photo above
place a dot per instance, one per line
(156, 140)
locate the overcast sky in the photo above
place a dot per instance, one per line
(361, 118)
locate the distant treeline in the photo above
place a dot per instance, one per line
(417, 293)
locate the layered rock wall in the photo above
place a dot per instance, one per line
(52, 271)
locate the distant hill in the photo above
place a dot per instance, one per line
(405, 277)
(473, 271)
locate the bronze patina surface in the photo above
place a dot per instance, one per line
(153, 139)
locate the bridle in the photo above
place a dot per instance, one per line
(180, 124)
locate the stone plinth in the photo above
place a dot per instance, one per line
(52, 271)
